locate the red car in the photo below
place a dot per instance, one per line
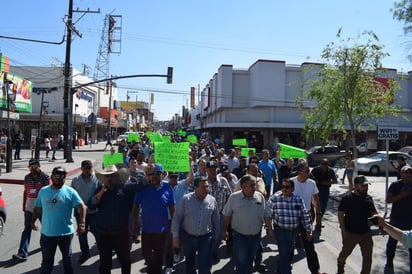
(3, 214)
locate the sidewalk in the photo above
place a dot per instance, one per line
(19, 167)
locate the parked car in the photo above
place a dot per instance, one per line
(330, 152)
(3, 213)
(120, 138)
(407, 150)
(375, 163)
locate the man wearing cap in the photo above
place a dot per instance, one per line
(401, 162)
(354, 211)
(224, 171)
(197, 217)
(400, 196)
(33, 182)
(246, 211)
(157, 204)
(220, 189)
(113, 201)
(86, 184)
(55, 205)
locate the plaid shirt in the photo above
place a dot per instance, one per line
(289, 212)
(221, 191)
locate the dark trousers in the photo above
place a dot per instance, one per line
(107, 241)
(311, 255)
(48, 249)
(153, 248)
(17, 152)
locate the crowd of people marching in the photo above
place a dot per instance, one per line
(186, 216)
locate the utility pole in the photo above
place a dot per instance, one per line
(68, 95)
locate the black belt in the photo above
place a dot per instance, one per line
(195, 236)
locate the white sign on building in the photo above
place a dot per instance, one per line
(388, 133)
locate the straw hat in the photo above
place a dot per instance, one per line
(123, 173)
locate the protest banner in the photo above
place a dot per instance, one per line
(112, 159)
(287, 151)
(173, 156)
(239, 142)
(244, 151)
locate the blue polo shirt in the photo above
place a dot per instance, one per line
(155, 205)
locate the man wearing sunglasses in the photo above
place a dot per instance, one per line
(33, 182)
(55, 205)
(288, 212)
(400, 196)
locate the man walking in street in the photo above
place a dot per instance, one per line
(113, 202)
(86, 184)
(55, 205)
(33, 182)
(400, 196)
(307, 190)
(324, 177)
(246, 211)
(157, 205)
(354, 211)
(269, 170)
(288, 213)
(196, 226)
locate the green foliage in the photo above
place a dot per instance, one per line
(402, 12)
(342, 91)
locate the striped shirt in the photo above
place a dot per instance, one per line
(196, 217)
(289, 212)
(220, 189)
(32, 186)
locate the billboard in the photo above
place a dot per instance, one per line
(19, 91)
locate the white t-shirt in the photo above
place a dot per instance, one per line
(305, 190)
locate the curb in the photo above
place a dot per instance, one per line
(21, 181)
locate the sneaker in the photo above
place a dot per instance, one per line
(20, 257)
(168, 270)
(83, 258)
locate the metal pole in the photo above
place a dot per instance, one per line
(386, 176)
(37, 149)
(9, 165)
(68, 97)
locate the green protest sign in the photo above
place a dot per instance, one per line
(245, 151)
(239, 142)
(173, 156)
(287, 151)
(181, 133)
(166, 139)
(112, 159)
(133, 137)
(192, 139)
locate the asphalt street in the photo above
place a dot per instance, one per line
(328, 243)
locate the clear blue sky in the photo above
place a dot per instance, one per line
(195, 37)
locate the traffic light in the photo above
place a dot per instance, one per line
(169, 75)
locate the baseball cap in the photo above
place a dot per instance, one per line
(59, 170)
(224, 168)
(406, 168)
(34, 162)
(158, 168)
(361, 180)
(86, 163)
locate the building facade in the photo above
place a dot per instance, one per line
(258, 103)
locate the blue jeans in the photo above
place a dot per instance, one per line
(323, 199)
(25, 235)
(244, 250)
(202, 245)
(89, 226)
(286, 241)
(48, 249)
(215, 247)
(392, 243)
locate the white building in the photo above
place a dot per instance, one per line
(258, 103)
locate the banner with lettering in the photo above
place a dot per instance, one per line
(173, 156)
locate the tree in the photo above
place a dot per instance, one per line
(349, 89)
(402, 12)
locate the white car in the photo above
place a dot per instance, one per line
(375, 163)
(120, 138)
